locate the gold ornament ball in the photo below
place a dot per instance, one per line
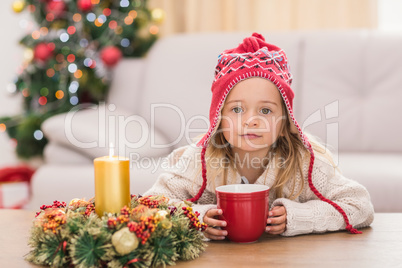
(84, 77)
(28, 54)
(166, 224)
(18, 6)
(143, 33)
(142, 18)
(124, 241)
(59, 24)
(161, 215)
(158, 15)
(74, 202)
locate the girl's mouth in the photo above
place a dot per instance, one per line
(251, 136)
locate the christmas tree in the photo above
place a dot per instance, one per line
(68, 57)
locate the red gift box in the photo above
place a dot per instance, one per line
(15, 186)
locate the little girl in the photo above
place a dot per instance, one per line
(254, 138)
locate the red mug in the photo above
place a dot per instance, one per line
(245, 209)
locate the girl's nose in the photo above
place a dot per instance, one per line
(253, 120)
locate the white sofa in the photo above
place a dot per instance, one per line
(348, 87)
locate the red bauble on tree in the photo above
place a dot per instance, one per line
(43, 52)
(110, 55)
(56, 7)
(84, 5)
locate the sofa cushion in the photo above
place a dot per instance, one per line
(126, 83)
(351, 90)
(55, 153)
(380, 173)
(90, 132)
(177, 85)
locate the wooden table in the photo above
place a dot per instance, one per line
(379, 246)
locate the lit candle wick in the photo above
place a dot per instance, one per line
(111, 150)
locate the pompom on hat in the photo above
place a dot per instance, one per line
(256, 58)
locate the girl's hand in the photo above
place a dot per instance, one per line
(277, 220)
(210, 219)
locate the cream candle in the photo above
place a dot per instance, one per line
(112, 183)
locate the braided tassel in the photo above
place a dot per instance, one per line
(349, 227)
(204, 177)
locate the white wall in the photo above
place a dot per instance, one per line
(11, 56)
(389, 15)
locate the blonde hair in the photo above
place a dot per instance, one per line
(286, 152)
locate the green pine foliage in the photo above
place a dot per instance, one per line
(27, 144)
(64, 65)
(73, 235)
(141, 258)
(189, 245)
(47, 248)
(165, 252)
(89, 250)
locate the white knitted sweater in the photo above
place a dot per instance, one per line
(306, 214)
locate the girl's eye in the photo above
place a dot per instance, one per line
(265, 111)
(237, 110)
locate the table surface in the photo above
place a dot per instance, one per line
(379, 246)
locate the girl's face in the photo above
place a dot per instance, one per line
(252, 115)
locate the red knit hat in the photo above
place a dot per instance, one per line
(255, 58)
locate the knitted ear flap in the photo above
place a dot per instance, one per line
(204, 177)
(349, 227)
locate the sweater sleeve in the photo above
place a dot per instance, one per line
(311, 215)
(180, 182)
